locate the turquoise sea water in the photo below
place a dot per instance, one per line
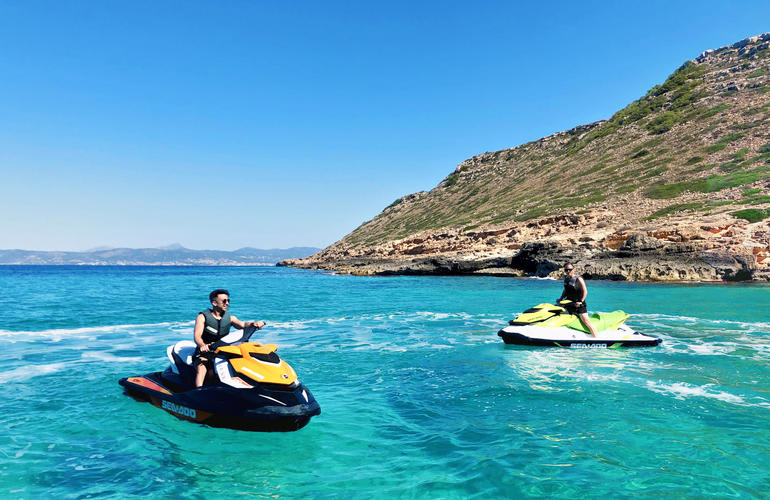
(420, 398)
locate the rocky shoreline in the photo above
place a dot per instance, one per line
(721, 249)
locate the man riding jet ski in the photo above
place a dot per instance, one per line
(251, 388)
(552, 325)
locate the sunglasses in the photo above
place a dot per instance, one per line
(568, 269)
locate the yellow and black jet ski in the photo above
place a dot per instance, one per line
(251, 389)
(553, 326)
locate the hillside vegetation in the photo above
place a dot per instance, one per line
(702, 135)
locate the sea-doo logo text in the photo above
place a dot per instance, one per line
(588, 346)
(178, 409)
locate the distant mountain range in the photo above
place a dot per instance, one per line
(170, 255)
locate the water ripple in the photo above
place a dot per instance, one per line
(420, 398)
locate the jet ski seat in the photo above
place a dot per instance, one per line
(183, 351)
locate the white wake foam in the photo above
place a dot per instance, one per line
(681, 390)
(24, 373)
(109, 358)
(58, 333)
(761, 326)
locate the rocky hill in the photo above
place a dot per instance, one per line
(675, 186)
(173, 255)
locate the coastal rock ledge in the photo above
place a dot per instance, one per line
(720, 248)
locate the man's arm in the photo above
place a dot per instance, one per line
(200, 322)
(243, 324)
(584, 288)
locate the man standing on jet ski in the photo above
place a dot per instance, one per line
(210, 326)
(576, 291)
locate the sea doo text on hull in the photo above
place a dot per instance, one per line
(253, 389)
(552, 326)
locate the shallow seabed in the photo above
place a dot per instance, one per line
(420, 398)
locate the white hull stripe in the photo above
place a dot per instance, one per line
(273, 399)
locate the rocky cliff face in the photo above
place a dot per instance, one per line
(676, 186)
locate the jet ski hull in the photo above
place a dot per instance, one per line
(531, 335)
(263, 408)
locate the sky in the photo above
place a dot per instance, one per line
(271, 124)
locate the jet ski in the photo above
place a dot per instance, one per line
(251, 388)
(553, 326)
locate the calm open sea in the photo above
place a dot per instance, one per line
(420, 398)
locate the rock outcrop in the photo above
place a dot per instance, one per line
(717, 249)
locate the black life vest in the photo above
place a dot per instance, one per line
(214, 329)
(572, 289)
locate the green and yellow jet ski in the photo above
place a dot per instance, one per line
(553, 326)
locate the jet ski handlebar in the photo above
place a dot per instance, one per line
(245, 336)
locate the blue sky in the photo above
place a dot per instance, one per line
(225, 124)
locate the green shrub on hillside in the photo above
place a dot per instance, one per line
(397, 202)
(740, 154)
(710, 184)
(649, 144)
(686, 72)
(694, 160)
(703, 168)
(746, 126)
(668, 191)
(677, 207)
(636, 110)
(627, 188)
(756, 73)
(754, 196)
(755, 159)
(532, 213)
(755, 200)
(663, 122)
(752, 214)
(603, 130)
(709, 112)
(654, 173)
(729, 167)
(722, 143)
(754, 111)
(719, 182)
(595, 168)
(731, 137)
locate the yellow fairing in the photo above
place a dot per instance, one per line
(259, 370)
(539, 313)
(557, 321)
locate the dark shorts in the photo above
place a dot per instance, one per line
(202, 358)
(573, 309)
